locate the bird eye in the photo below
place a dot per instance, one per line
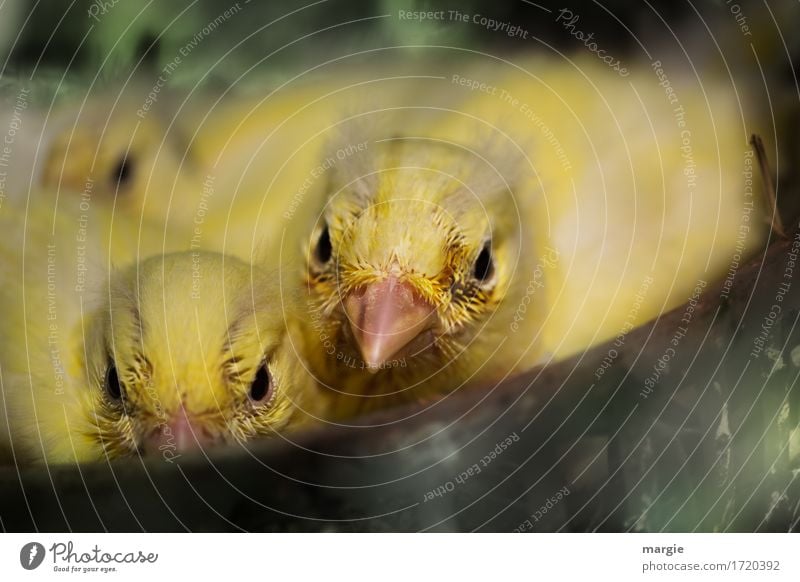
(112, 383)
(262, 388)
(122, 174)
(324, 250)
(484, 264)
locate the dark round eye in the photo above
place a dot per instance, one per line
(484, 264)
(123, 171)
(324, 250)
(262, 387)
(112, 384)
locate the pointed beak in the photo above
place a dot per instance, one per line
(178, 434)
(385, 317)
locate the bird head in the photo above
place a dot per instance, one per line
(188, 354)
(413, 251)
(120, 156)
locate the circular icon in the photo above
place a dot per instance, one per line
(31, 555)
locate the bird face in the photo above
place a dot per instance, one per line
(187, 355)
(118, 156)
(405, 260)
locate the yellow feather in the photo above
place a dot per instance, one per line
(607, 202)
(186, 333)
(113, 150)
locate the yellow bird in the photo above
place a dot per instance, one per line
(170, 353)
(231, 173)
(112, 149)
(552, 206)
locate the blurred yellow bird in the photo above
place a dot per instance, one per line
(551, 206)
(116, 152)
(220, 170)
(173, 352)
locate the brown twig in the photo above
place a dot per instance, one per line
(769, 185)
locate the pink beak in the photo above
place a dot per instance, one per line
(385, 317)
(178, 434)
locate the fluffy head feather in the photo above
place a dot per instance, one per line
(189, 349)
(413, 256)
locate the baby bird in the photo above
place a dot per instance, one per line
(189, 353)
(560, 207)
(169, 354)
(119, 153)
(409, 271)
